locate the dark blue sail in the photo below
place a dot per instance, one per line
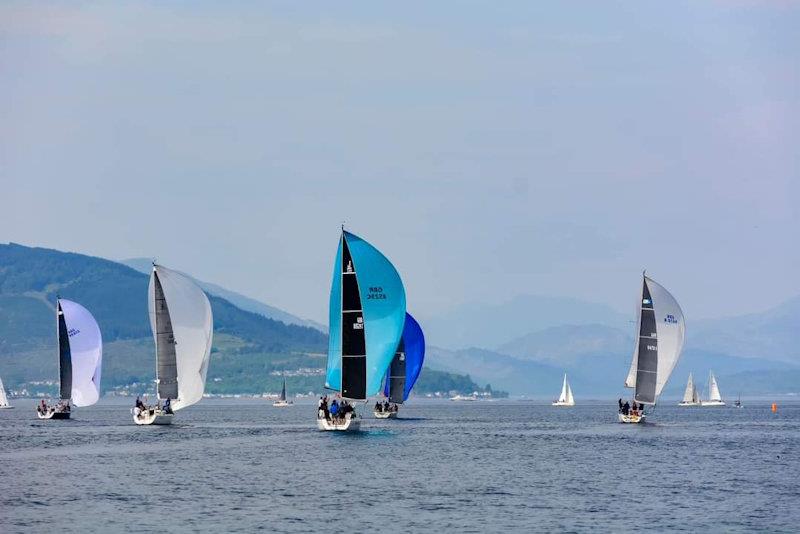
(412, 355)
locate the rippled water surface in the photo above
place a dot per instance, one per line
(473, 467)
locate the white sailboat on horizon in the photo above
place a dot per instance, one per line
(714, 396)
(282, 402)
(690, 397)
(566, 398)
(4, 404)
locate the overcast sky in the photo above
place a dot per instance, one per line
(489, 149)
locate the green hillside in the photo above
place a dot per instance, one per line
(251, 353)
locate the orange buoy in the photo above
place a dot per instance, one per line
(774, 407)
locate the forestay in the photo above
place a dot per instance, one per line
(81, 351)
(182, 326)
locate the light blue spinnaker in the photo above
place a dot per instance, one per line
(414, 348)
(383, 305)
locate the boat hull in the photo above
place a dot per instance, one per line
(6, 407)
(153, 417)
(631, 418)
(712, 403)
(385, 415)
(689, 404)
(52, 414)
(281, 404)
(564, 404)
(351, 424)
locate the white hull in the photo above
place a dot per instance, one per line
(6, 407)
(281, 404)
(685, 404)
(351, 424)
(631, 418)
(153, 417)
(385, 415)
(567, 404)
(53, 415)
(712, 403)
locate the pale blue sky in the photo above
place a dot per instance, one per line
(489, 149)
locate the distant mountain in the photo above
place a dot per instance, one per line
(144, 265)
(482, 325)
(568, 344)
(773, 334)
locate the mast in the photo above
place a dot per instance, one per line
(166, 358)
(64, 354)
(354, 345)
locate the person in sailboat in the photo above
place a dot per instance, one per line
(168, 406)
(334, 409)
(626, 408)
(378, 407)
(620, 404)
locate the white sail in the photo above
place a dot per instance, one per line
(691, 392)
(713, 389)
(630, 380)
(671, 330)
(192, 328)
(3, 397)
(570, 398)
(86, 352)
(564, 386)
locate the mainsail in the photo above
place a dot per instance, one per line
(283, 390)
(407, 363)
(182, 325)
(659, 342)
(691, 395)
(367, 314)
(3, 397)
(713, 389)
(80, 348)
(566, 393)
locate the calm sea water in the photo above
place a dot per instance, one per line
(446, 466)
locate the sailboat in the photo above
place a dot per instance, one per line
(737, 404)
(660, 333)
(367, 314)
(80, 355)
(182, 325)
(714, 397)
(404, 369)
(282, 402)
(566, 398)
(690, 396)
(4, 404)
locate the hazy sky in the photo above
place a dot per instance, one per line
(489, 149)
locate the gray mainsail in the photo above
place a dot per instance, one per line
(166, 362)
(64, 355)
(283, 390)
(354, 344)
(397, 375)
(647, 360)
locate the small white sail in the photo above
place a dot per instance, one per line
(564, 387)
(689, 394)
(86, 352)
(566, 398)
(570, 398)
(3, 398)
(713, 389)
(192, 328)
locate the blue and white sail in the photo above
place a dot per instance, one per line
(407, 363)
(367, 316)
(80, 353)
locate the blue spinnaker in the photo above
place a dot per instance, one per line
(414, 347)
(383, 301)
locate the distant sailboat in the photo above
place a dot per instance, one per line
(282, 402)
(367, 314)
(738, 402)
(566, 398)
(4, 404)
(404, 369)
(690, 396)
(182, 325)
(80, 355)
(714, 397)
(660, 333)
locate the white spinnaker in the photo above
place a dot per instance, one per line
(86, 352)
(713, 389)
(192, 326)
(3, 397)
(670, 329)
(688, 395)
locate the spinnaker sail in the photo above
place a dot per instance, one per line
(366, 318)
(659, 342)
(80, 353)
(407, 363)
(182, 325)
